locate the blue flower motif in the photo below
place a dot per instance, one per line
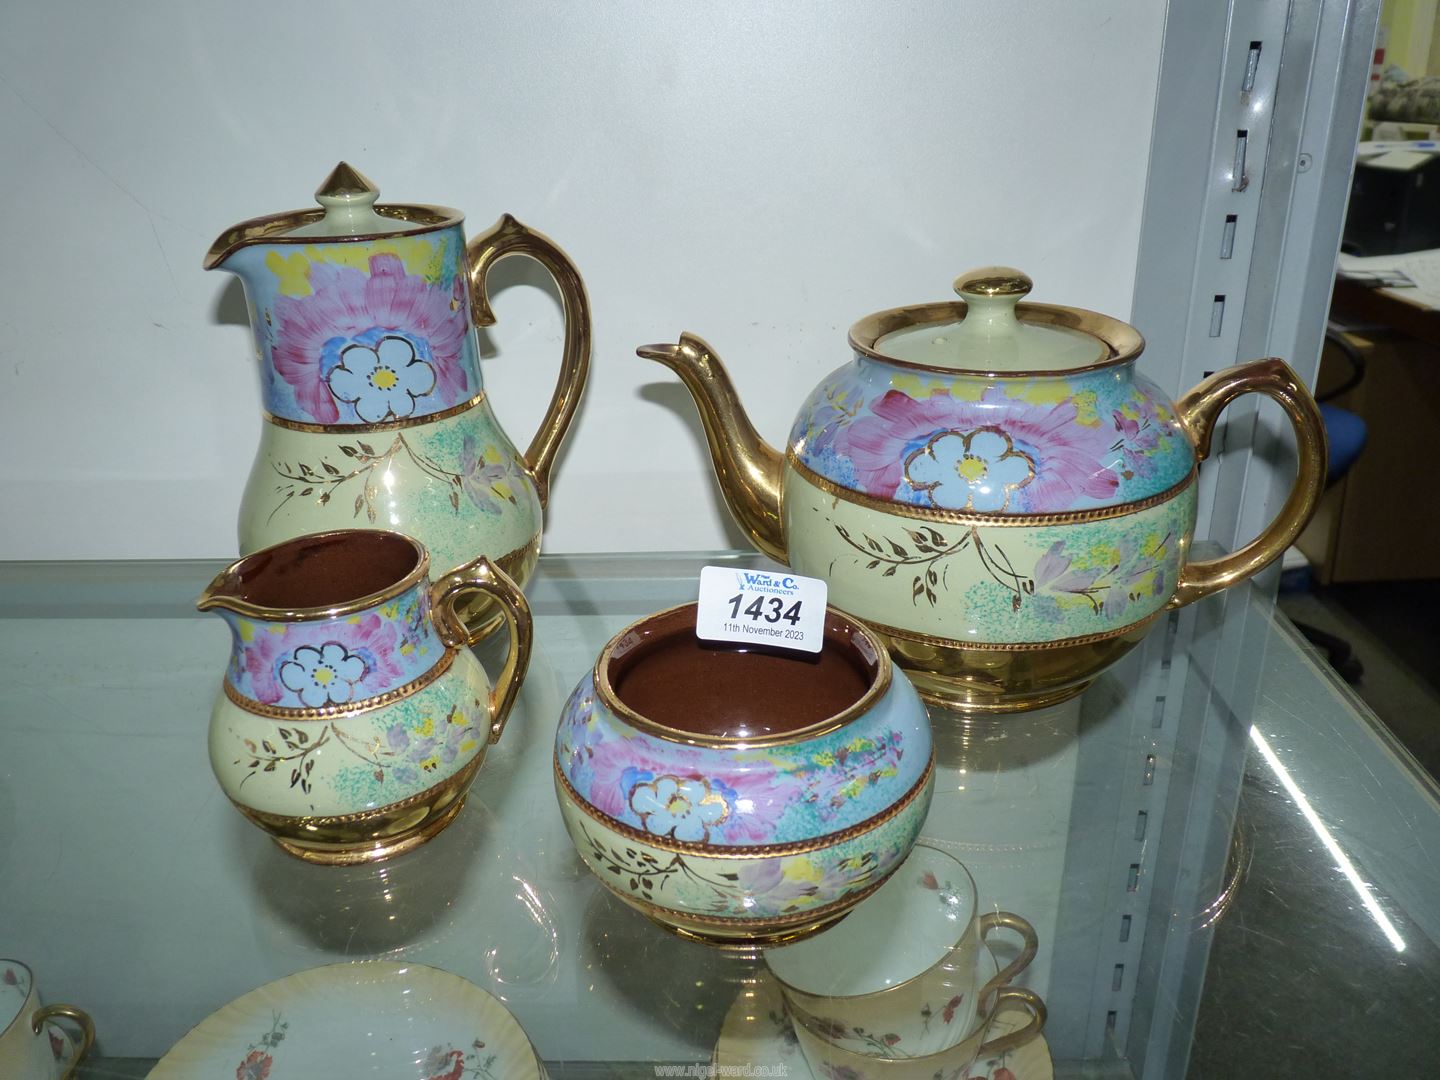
(977, 470)
(684, 809)
(323, 676)
(382, 381)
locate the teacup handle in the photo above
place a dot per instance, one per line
(80, 1018)
(484, 576)
(1198, 411)
(1008, 920)
(508, 237)
(1031, 1003)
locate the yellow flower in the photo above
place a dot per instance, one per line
(1104, 555)
(430, 764)
(1085, 411)
(390, 610)
(1045, 391)
(917, 386)
(825, 760)
(419, 256)
(1153, 546)
(246, 629)
(426, 727)
(467, 745)
(802, 870)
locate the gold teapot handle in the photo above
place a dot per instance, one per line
(508, 237)
(484, 576)
(81, 1019)
(1198, 410)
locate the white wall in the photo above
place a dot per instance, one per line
(761, 174)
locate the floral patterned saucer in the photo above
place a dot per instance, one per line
(370, 1018)
(757, 1032)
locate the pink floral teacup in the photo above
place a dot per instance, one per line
(32, 1046)
(903, 976)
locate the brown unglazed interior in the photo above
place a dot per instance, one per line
(324, 570)
(663, 674)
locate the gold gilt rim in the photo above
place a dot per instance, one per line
(1012, 646)
(754, 851)
(960, 938)
(216, 595)
(340, 430)
(340, 712)
(873, 693)
(1122, 341)
(961, 517)
(272, 820)
(21, 1012)
(779, 922)
(272, 228)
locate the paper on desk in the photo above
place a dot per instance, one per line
(1421, 267)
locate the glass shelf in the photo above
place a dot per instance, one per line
(138, 893)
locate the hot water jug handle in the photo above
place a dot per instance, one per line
(1198, 411)
(509, 237)
(482, 575)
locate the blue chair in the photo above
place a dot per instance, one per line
(1347, 434)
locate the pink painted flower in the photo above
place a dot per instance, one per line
(367, 313)
(256, 1066)
(1071, 460)
(442, 1063)
(274, 662)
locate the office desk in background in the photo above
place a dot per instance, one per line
(1381, 521)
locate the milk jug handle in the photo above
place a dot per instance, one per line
(1198, 411)
(484, 576)
(509, 237)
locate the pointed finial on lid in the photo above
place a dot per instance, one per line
(348, 197)
(345, 182)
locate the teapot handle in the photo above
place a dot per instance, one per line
(508, 237)
(482, 575)
(1198, 410)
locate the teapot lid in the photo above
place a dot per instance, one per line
(992, 332)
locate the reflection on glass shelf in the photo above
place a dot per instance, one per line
(1327, 838)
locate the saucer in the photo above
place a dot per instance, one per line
(369, 1018)
(757, 1033)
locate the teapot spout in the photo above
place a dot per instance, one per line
(751, 471)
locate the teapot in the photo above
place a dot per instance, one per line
(994, 489)
(374, 412)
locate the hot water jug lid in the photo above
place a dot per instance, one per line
(348, 197)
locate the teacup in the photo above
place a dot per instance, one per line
(32, 1046)
(903, 975)
(828, 1059)
(740, 795)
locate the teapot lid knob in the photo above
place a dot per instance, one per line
(348, 197)
(991, 294)
(994, 281)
